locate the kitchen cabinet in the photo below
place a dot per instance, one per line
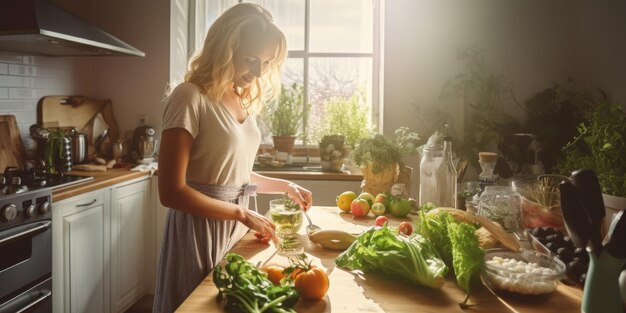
(101, 243)
(80, 253)
(130, 243)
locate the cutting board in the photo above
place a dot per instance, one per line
(11, 148)
(77, 111)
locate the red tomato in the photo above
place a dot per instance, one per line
(405, 228)
(381, 220)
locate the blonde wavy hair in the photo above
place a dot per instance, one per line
(212, 67)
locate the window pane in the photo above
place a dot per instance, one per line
(289, 16)
(341, 26)
(338, 78)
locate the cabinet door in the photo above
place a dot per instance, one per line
(84, 255)
(131, 244)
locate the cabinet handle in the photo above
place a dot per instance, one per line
(29, 230)
(87, 204)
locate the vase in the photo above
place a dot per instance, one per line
(284, 143)
(375, 183)
(612, 206)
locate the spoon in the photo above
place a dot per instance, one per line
(312, 227)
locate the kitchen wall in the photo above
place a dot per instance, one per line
(530, 43)
(24, 79)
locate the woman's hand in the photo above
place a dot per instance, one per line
(259, 223)
(300, 195)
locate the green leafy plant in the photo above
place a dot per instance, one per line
(285, 115)
(290, 204)
(245, 288)
(348, 117)
(600, 145)
(54, 145)
(380, 151)
(484, 95)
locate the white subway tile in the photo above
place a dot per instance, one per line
(26, 117)
(10, 81)
(22, 70)
(10, 105)
(28, 82)
(22, 93)
(28, 106)
(10, 57)
(4, 68)
(4, 93)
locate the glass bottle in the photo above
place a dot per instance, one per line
(446, 179)
(432, 157)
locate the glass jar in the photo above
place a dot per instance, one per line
(501, 204)
(432, 158)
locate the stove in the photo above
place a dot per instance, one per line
(15, 180)
(26, 237)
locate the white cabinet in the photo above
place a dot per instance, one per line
(80, 254)
(130, 244)
(102, 241)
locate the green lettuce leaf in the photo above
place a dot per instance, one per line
(468, 257)
(410, 257)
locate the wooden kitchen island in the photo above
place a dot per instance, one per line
(374, 292)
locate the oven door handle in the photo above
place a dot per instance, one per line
(28, 231)
(11, 307)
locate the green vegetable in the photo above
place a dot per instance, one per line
(467, 256)
(425, 207)
(434, 227)
(410, 257)
(245, 288)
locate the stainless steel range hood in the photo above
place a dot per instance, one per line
(41, 27)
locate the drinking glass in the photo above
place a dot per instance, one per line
(288, 221)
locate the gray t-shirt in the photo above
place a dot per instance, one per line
(223, 150)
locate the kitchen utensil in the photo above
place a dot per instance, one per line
(311, 228)
(11, 147)
(575, 215)
(68, 111)
(78, 143)
(145, 143)
(100, 139)
(617, 241)
(588, 187)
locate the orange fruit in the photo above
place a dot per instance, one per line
(274, 273)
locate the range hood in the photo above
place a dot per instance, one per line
(41, 27)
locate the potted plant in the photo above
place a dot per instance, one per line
(285, 116)
(380, 159)
(347, 117)
(601, 146)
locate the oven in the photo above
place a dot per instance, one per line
(26, 251)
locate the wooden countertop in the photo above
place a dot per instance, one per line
(101, 180)
(304, 175)
(373, 292)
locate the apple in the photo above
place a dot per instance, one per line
(367, 196)
(345, 199)
(381, 221)
(405, 228)
(383, 198)
(359, 207)
(378, 209)
(400, 207)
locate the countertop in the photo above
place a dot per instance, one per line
(373, 292)
(101, 180)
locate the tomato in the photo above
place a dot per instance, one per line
(312, 283)
(381, 220)
(274, 273)
(405, 228)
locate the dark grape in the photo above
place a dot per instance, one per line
(565, 254)
(534, 231)
(582, 255)
(575, 269)
(583, 278)
(567, 242)
(553, 246)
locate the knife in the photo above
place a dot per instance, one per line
(588, 187)
(577, 220)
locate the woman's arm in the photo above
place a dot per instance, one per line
(274, 185)
(176, 194)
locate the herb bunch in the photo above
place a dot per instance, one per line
(245, 288)
(382, 152)
(600, 146)
(285, 115)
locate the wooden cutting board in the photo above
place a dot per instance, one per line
(11, 147)
(76, 111)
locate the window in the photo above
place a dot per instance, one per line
(333, 51)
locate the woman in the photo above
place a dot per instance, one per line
(208, 146)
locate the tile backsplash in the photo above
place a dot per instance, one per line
(25, 79)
